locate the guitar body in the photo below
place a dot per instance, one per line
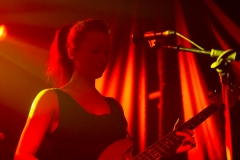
(119, 150)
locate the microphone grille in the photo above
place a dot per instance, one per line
(138, 37)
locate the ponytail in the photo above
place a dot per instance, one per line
(59, 65)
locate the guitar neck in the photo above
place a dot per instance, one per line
(158, 149)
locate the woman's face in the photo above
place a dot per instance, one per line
(92, 55)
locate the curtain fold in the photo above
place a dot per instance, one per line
(194, 89)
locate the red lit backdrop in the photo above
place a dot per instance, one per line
(154, 86)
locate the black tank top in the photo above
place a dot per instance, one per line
(83, 136)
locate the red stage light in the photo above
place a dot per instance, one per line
(3, 32)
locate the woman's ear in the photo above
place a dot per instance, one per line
(71, 53)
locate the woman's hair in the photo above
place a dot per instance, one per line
(59, 66)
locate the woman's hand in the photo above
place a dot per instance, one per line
(188, 142)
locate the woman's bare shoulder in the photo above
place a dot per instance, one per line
(46, 100)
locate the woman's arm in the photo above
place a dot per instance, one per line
(38, 123)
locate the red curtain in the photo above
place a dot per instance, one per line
(155, 86)
(210, 135)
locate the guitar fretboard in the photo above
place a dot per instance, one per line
(158, 149)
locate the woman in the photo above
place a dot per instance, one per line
(79, 120)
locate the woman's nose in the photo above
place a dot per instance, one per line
(104, 56)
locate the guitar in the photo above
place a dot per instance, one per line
(121, 149)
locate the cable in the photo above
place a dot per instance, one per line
(178, 34)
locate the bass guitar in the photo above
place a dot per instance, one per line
(121, 149)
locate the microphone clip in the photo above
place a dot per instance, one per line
(154, 43)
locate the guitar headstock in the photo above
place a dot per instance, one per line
(234, 93)
(215, 97)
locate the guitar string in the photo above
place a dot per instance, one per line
(159, 145)
(200, 116)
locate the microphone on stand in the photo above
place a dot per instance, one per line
(139, 36)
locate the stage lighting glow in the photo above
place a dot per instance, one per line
(3, 32)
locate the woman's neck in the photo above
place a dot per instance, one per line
(79, 82)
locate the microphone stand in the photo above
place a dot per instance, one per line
(228, 55)
(222, 66)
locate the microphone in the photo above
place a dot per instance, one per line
(138, 36)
